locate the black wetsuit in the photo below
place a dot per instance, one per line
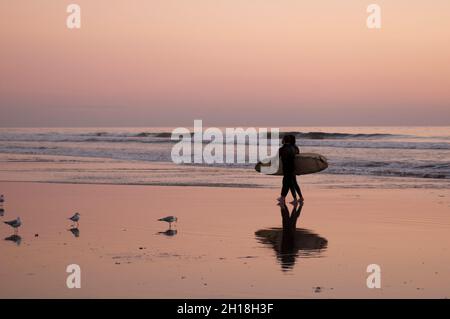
(296, 186)
(287, 157)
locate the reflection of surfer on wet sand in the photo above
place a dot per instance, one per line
(289, 226)
(290, 242)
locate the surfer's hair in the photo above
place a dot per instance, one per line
(285, 139)
(288, 139)
(292, 139)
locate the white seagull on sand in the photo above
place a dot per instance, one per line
(168, 219)
(14, 223)
(75, 218)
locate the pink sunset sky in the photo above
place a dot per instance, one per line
(227, 62)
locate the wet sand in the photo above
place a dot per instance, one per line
(228, 242)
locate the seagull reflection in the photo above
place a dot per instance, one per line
(14, 238)
(290, 242)
(75, 231)
(170, 232)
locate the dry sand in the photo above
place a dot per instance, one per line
(225, 244)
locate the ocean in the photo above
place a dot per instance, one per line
(358, 157)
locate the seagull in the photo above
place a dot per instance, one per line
(2, 211)
(168, 219)
(75, 218)
(2, 199)
(14, 223)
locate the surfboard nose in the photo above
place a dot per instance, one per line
(324, 161)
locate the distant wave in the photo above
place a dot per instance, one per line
(116, 140)
(324, 135)
(307, 135)
(97, 136)
(392, 173)
(141, 134)
(51, 142)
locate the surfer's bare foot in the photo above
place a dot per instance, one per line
(295, 201)
(301, 199)
(281, 199)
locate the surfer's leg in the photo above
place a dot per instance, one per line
(288, 185)
(297, 188)
(293, 189)
(285, 188)
(294, 195)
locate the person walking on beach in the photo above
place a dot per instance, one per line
(287, 157)
(296, 186)
(287, 154)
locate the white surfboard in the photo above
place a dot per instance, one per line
(305, 163)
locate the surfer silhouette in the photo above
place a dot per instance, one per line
(296, 186)
(287, 153)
